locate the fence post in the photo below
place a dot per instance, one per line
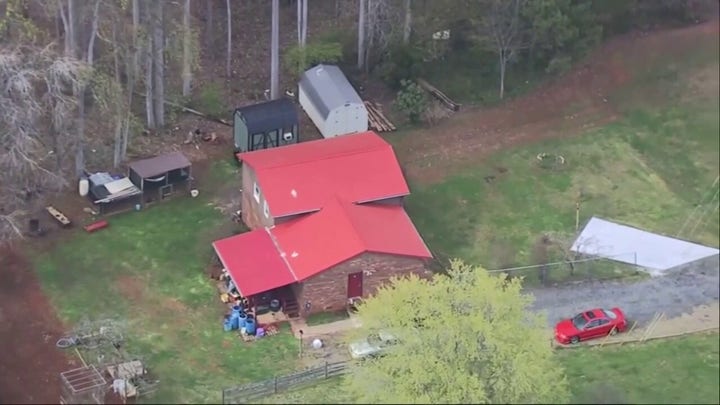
(275, 379)
(326, 370)
(223, 397)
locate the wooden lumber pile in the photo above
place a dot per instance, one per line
(377, 119)
(447, 102)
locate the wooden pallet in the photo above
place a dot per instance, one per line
(447, 102)
(377, 120)
(59, 216)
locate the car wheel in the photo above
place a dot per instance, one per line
(574, 339)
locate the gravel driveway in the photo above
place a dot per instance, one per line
(675, 293)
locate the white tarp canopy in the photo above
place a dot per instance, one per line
(626, 244)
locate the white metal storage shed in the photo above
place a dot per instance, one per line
(331, 102)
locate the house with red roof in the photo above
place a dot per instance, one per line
(327, 223)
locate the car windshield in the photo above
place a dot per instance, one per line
(579, 321)
(610, 314)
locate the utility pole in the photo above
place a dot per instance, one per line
(274, 52)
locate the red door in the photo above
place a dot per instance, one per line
(355, 285)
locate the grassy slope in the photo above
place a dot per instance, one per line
(681, 370)
(146, 269)
(649, 170)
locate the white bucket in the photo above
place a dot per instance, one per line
(83, 187)
(194, 192)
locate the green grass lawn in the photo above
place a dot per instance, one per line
(649, 170)
(147, 271)
(679, 370)
(326, 317)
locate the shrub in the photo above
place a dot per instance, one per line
(411, 100)
(400, 62)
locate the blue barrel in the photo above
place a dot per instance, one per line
(250, 326)
(242, 320)
(227, 324)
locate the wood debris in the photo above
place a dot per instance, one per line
(447, 102)
(377, 120)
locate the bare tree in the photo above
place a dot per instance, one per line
(158, 42)
(209, 17)
(361, 34)
(229, 38)
(407, 26)
(36, 88)
(303, 33)
(186, 67)
(504, 28)
(275, 51)
(149, 81)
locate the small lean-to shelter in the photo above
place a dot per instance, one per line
(265, 125)
(331, 102)
(161, 175)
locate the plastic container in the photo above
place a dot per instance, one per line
(227, 325)
(260, 332)
(275, 305)
(242, 320)
(250, 326)
(84, 186)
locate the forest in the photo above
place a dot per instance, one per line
(85, 80)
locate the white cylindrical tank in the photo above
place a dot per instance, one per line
(84, 187)
(317, 344)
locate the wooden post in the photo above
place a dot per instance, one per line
(276, 391)
(326, 370)
(577, 215)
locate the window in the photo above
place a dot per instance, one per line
(593, 324)
(266, 209)
(256, 192)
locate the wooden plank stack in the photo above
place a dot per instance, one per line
(377, 119)
(447, 102)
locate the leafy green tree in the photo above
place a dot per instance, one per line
(411, 100)
(465, 337)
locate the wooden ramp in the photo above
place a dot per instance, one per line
(447, 102)
(59, 216)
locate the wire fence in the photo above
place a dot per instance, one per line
(580, 268)
(251, 392)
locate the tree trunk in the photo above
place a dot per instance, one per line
(187, 69)
(209, 16)
(229, 38)
(72, 20)
(503, 63)
(299, 21)
(80, 151)
(407, 28)
(119, 118)
(149, 88)
(304, 22)
(159, 64)
(361, 34)
(274, 51)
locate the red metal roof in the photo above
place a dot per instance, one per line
(341, 231)
(302, 177)
(253, 262)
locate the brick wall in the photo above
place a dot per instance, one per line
(328, 290)
(252, 211)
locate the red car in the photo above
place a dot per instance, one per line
(590, 324)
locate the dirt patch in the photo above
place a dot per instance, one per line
(564, 106)
(30, 363)
(334, 349)
(131, 288)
